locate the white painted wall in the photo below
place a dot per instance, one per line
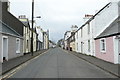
(78, 41)
(40, 33)
(46, 42)
(85, 37)
(116, 49)
(26, 37)
(68, 34)
(105, 18)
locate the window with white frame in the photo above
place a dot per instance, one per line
(17, 45)
(103, 45)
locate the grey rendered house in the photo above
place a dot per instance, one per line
(11, 43)
(11, 34)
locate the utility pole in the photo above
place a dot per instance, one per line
(32, 27)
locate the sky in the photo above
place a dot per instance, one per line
(57, 15)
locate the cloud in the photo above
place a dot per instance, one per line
(57, 15)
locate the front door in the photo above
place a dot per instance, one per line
(5, 49)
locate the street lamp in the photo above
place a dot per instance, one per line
(32, 26)
(38, 17)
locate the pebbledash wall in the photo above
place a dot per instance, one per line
(108, 55)
(12, 47)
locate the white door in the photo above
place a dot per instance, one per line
(5, 48)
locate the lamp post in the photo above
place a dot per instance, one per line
(32, 26)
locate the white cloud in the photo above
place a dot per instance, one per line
(57, 15)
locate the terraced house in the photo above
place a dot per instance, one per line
(46, 40)
(26, 34)
(84, 37)
(107, 33)
(11, 34)
(99, 36)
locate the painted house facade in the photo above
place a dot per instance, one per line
(84, 37)
(66, 36)
(45, 40)
(39, 45)
(27, 34)
(71, 42)
(35, 40)
(11, 43)
(11, 35)
(108, 37)
(104, 28)
(69, 38)
(40, 37)
(93, 27)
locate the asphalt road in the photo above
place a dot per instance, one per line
(57, 63)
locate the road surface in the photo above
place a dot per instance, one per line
(57, 63)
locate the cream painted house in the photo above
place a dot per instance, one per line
(27, 34)
(46, 40)
(34, 40)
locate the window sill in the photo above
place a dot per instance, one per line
(103, 52)
(17, 52)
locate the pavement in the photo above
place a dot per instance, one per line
(11, 64)
(107, 66)
(57, 63)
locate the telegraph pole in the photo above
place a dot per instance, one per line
(32, 27)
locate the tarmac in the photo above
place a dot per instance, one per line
(106, 66)
(13, 63)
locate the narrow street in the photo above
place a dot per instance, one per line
(57, 63)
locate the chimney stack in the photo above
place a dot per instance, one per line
(22, 17)
(5, 5)
(87, 17)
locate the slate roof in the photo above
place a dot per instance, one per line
(111, 30)
(8, 30)
(11, 20)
